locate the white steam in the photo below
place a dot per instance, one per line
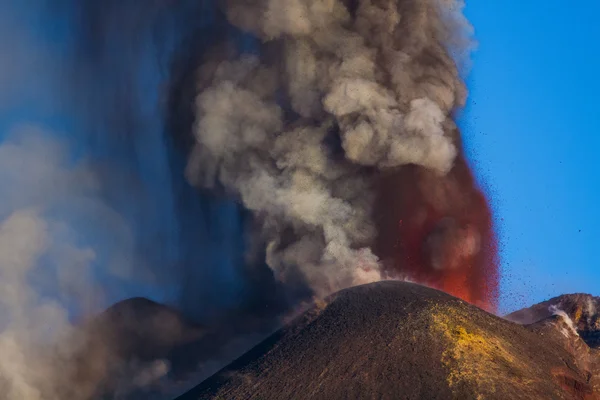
(33, 176)
(380, 80)
(567, 320)
(590, 308)
(46, 274)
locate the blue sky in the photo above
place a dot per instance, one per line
(531, 126)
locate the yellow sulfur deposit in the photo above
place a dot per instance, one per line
(474, 356)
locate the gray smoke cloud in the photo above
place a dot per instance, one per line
(380, 78)
(47, 274)
(380, 75)
(39, 257)
(79, 229)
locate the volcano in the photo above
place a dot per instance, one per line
(580, 308)
(398, 340)
(140, 349)
(129, 345)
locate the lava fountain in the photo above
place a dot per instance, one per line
(438, 231)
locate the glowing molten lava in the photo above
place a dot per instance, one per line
(437, 230)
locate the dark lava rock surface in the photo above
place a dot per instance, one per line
(129, 346)
(581, 308)
(140, 349)
(143, 329)
(397, 340)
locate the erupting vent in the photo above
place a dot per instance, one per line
(438, 231)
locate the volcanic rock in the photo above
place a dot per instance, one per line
(140, 349)
(580, 308)
(129, 345)
(143, 329)
(397, 340)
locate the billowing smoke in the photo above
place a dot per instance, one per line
(46, 272)
(88, 213)
(339, 91)
(288, 116)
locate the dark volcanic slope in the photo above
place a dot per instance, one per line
(140, 328)
(396, 340)
(148, 350)
(581, 308)
(131, 343)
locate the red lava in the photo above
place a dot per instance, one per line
(438, 231)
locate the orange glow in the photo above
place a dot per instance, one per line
(438, 232)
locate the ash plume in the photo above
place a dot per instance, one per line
(114, 77)
(296, 131)
(78, 218)
(45, 272)
(339, 91)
